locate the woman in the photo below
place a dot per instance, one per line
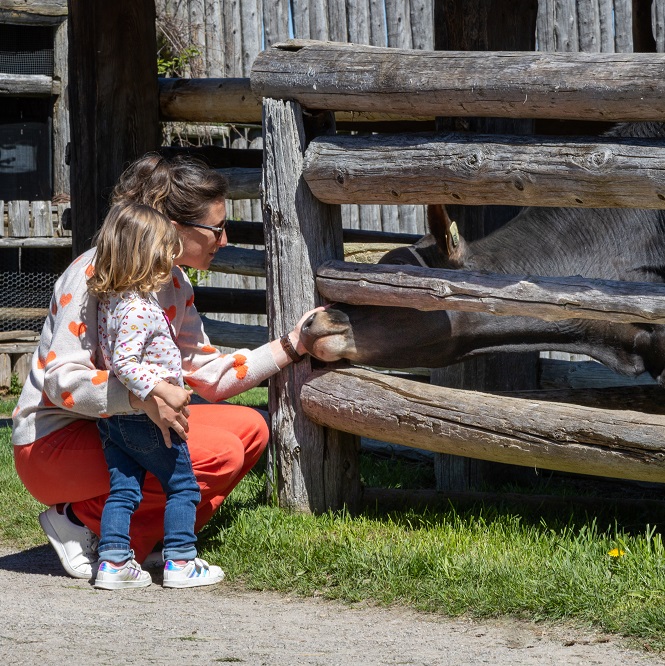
(57, 449)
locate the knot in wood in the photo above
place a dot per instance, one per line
(599, 158)
(340, 176)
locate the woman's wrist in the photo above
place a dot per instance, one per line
(290, 347)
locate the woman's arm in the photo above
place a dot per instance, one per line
(66, 368)
(213, 375)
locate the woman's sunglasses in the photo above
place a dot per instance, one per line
(218, 231)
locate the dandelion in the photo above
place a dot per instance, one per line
(615, 552)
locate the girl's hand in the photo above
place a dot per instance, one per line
(174, 396)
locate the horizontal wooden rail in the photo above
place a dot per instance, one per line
(226, 299)
(484, 169)
(28, 85)
(352, 77)
(234, 336)
(232, 101)
(549, 298)
(241, 261)
(243, 183)
(569, 438)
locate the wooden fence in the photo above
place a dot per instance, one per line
(318, 469)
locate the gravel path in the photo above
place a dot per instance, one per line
(51, 619)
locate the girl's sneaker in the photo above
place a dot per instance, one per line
(130, 574)
(195, 573)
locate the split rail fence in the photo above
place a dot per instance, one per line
(309, 172)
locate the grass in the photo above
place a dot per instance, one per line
(484, 561)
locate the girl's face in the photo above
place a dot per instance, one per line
(199, 245)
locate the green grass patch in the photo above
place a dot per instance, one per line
(7, 404)
(482, 561)
(256, 397)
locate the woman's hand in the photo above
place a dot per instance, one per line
(163, 416)
(294, 335)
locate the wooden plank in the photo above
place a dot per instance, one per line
(60, 113)
(42, 220)
(243, 183)
(377, 23)
(337, 21)
(2, 220)
(490, 169)
(659, 24)
(623, 22)
(250, 17)
(21, 366)
(5, 371)
(317, 469)
(28, 85)
(19, 218)
(276, 21)
(18, 347)
(215, 57)
(43, 242)
(232, 101)
(588, 23)
(606, 23)
(621, 444)
(590, 86)
(300, 18)
(359, 22)
(318, 20)
(234, 336)
(549, 298)
(113, 101)
(398, 20)
(422, 24)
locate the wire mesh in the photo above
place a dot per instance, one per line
(26, 49)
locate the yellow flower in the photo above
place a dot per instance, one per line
(615, 552)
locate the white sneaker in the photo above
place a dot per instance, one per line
(130, 574)
(75, 545)
(195, 573)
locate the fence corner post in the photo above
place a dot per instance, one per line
(313, 468)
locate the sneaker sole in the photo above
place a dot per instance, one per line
(60, 551)
(120, 584)
(193, 582)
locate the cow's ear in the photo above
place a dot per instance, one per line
(447, 236)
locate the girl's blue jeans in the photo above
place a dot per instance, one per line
(133, 444)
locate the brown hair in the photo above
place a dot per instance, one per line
(136, 247)
(182, 187)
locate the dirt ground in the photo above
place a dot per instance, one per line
(48, 618)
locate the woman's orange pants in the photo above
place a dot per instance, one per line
(225, 442)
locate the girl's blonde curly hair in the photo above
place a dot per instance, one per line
(136, 247)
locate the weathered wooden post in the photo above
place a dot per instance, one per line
(313, 468)
(113, 98)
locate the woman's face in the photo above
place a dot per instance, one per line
(199, 245)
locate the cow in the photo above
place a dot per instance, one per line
(611, 244)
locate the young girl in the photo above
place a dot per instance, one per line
(135, 251)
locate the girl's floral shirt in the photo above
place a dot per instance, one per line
(68, 380)
(137, 343)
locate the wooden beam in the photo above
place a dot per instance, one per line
(28, 85)
(234, 336)
(232, 101)
(34, 12)
(317, 469)
(243, 183)
(569, 438)
(487, 169)
(352, 77)
(113, 100)
(549, 298)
